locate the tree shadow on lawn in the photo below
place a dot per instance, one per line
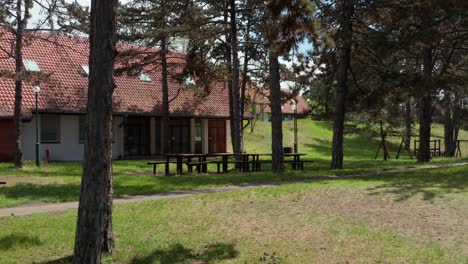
(178, 253)
(41, 192)
(18, 240)
(429, 183)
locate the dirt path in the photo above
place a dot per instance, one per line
(41, 207)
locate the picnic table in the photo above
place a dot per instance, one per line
(242, 160)
(296, 162)
(201, 163)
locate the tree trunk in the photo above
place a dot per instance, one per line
(165, 98)
(228, 57)
(425, 108)
(21, 23)
(452, 114)
(245, 69)
(94, 210)
(345, 38)
(236, 111)
(408, 124)
(276, 116)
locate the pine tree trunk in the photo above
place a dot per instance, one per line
(425, 109)
(94, 212)
(18, 152)
(236, 111)
(408, 124)
(345, 38)
(108, 244)
(165, 99)
(228, 58)
(452, 114)
(276, 116)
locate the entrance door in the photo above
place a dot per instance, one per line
(136, 136)
(180, 135)
(217, 136)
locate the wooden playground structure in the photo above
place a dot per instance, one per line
(435, 147)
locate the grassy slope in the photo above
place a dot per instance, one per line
(60, 181)
(415, 217)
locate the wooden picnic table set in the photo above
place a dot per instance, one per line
(246, 162)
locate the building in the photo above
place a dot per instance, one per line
(291, 104)
(198, 123)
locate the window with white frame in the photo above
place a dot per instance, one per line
(31, 66)
(50, 128)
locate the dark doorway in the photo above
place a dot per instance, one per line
(180, 135)
(136, 136)
(217, 136)
(198, 136)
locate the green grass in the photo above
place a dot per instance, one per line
(60, 181)
(412, 217)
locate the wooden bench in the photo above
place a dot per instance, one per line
(219, 163)
(298, 164)
(155, 163)
(198, 164)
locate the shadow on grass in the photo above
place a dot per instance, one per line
(18, 240)
(429, 183)
(41, 192)
(64, 260)
(178, 253)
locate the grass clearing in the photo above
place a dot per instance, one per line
(60, 181)
(411, 217)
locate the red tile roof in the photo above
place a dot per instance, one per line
(261, 97)
(66, 92)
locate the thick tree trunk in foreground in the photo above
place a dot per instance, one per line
(425, 108)
(165, 99)
(21, 23)
(276, 116)
(94, 211)
(236, 111)
(345, 37)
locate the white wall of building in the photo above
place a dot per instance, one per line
(69, 148)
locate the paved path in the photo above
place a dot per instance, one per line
(34, 208)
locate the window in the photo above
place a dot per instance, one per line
(50, 128)
(198, 131)
(189, 81)
(82, 129)
(31, 66)
(85, 69)
(144, 77)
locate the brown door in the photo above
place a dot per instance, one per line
(6, 140)
(217, 136)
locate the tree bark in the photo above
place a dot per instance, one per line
(276, 116)
(408, 124)
(345, 38)
(236, 111)
(451, 123)
(21, 24)
(228, 58)
(165, 98)
(425, 108)
(94, 211)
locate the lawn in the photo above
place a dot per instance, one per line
(60, 181)
(411, 217)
